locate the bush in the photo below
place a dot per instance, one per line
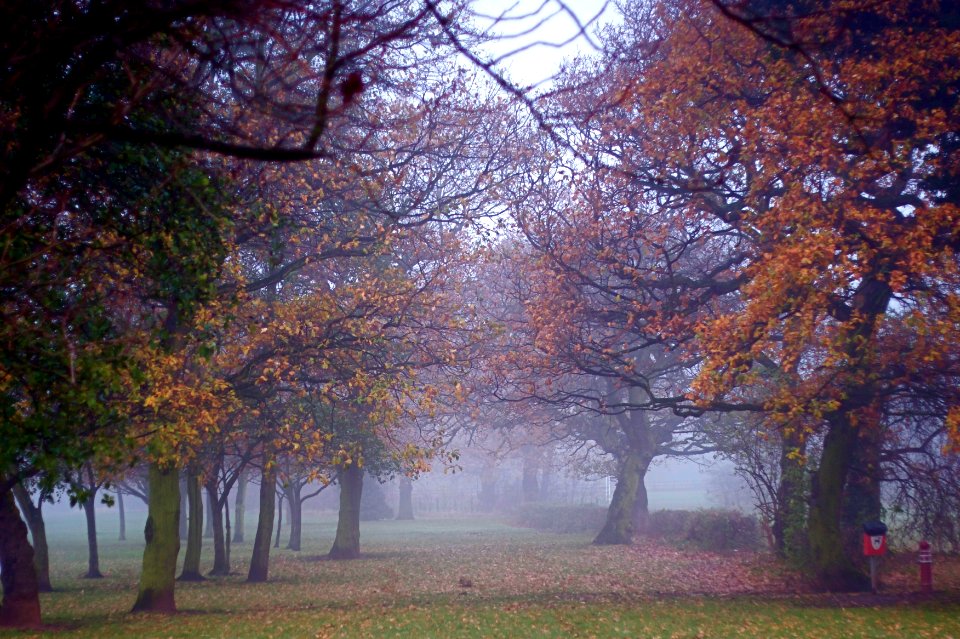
(669, 524)
(561, 519)
(712, 530)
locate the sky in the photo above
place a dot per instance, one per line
(536, 35)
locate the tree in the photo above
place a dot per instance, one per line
(346, 543)
(807, 159)
(191, 558)
(163, 542)
(92, 91)
(577, 347)
(259, 560)
(21, 606)
(89, 488)
(122, 534)
(33, 514)
(405, 504)
(293, 479)
(239, 508)
(405, 183)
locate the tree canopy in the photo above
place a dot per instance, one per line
(300, 231)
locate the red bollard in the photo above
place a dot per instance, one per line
(925, 559)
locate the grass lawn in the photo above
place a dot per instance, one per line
(470, 578)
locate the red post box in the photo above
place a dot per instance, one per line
(874, 539)
(874, 547)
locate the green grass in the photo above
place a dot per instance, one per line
(522, 584)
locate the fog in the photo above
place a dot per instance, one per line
(482, 485)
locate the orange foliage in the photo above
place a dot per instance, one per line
(781, 212)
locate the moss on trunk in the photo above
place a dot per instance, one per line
(162, 535)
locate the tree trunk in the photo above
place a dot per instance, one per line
(89, 509)
(93, 553)
(191, 559)
(260, 559)
(790, 515)
(123, 516)
(38, 531)
(405, 505)
(184, 506)
(208, 521)
(862, 493)
(830, 561)
(239, 508)
(619, 527)
(280, 499)
(346, 545)
(221, 564)
(641, 507)
(850, 452)
(158, 576)
(296, 514)
(21, 594)
(226, 526)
